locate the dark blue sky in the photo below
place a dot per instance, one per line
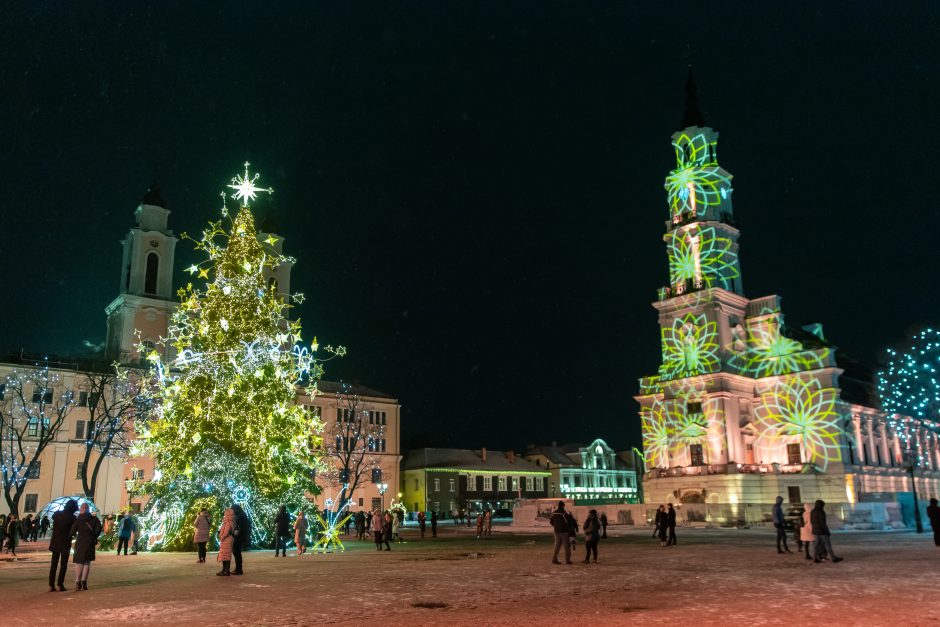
(474, 190)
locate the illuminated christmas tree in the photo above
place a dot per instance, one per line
(227, 429)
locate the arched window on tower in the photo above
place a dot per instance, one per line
(150, 278)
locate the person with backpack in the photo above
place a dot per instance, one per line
(61, 544)
(85, 529)
(592, 535)
(125, 529)
(561, 530)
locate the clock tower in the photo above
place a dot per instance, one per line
(145, 302)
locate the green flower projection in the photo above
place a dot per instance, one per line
(701, 254)
(657, 434)
(688, 428)
(695, 150)
(696, 190)
(767, 352)
(805, 410)
(690, 347)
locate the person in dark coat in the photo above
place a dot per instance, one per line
(603, 520)
(821, 530)
(671, 523)
(13, 533)
(281, 531)
(592, 535)
(125, 525)
(44, 526)
(933, 513)
(61, 543)
(662, 524)
(86, 529)
(780, 523)
(434, 523)
(561, 530)
(242, 537)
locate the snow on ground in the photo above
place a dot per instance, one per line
(713, 577)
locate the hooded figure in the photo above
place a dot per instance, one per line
(821, 530)
(61, 543)
(806, 531)
(227, 539)
(242, 537)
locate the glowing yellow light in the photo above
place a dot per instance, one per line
(245, 188)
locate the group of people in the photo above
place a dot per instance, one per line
(85, 529)
(28, 529)
(665, 523)
(565, 528)
(813, 530)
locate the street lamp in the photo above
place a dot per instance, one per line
(382, 488)
(919, 526)
(129, 485)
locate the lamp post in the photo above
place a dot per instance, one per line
(382, 488)
(918, 525)
(129, 485)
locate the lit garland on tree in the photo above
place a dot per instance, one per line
(227, 429)
(909, 387)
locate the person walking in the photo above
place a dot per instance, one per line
(26, 528)
(603, 521)
(780, 525)
(227, 539)
(433, 523)
(125, 528)
(806, 530)
(671, 523)
(377, 529)
(821, 531)
(13, 533)
(300, 532)
(85, 529)
(281, 531)
(592, 535)
(387, 530)
(560, 529)
(201, 528)
(421, 523)
(242, 541)
(662, 524)
(656, 521)
(933, 515)
(61, 544)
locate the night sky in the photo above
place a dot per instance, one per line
(473, 191)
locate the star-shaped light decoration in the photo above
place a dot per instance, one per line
(245, 188)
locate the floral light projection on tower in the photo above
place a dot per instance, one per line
(227, 428)
(690, 347)
(803, 410)
(909, 386)
(698, 184)
(701, 255)
(657, 435)
(766, 351)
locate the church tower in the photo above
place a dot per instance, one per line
(145, 301)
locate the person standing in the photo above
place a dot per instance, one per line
(281, 531)
(780, 525)
(821, 531)
(592, 535)
(662, 524)
(227, 539)
(671, 523)
(433, 523)
(201, 528)
(488, 522)
(61, 544)
(86, 529)
(360, 525)
(560, 528)
(395, 523)
(44, 526)
(377, 529)
(387, 530)
(806, 529)
(603, 521)
(13, 533)
(125, 527)
(933, 514)
(300, 532)
(242, 541)
(479, 525)
(421, 523)
(3, 531)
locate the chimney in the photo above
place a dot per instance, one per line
(483, 455)
(511, 455)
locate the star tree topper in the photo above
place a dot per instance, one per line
(245, 188)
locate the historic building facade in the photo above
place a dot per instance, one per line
(744, 407)
(589, 475)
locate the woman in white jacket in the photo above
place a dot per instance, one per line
(806, 531)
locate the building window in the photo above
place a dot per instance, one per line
(515, 484)
(29, 505)
(42, 396)
(694, 407)
(313, 410)
(83, 398)
(749, 454)
(360, 501)
(794, 455)
(487, 484)
(150, 277)
(33, 471)
(33, 428)
(471, 483)
(376, 475)
(501, 483)
(540, 483)
(528, 484)
(79, 429)
(79, 469)
(376, 503)
(453, 485)
(137, 474)
(793, 493)
(697, 455)
(437, 485)
(416, 484)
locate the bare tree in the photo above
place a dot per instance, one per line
(32, 411)
(351, 438)
(114, 399)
